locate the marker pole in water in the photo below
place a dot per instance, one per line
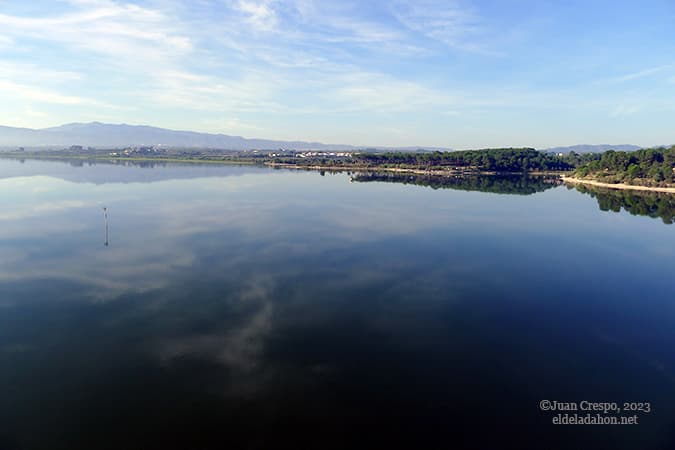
(105, 216)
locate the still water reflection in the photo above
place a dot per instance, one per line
(516, 184)
(240, 307)
(651, 204)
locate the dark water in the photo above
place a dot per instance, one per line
(237, 307)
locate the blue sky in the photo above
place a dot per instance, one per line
(460, 74)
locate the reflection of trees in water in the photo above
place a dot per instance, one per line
(518, 185)
(637, 203)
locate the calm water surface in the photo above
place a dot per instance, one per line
(241, 307)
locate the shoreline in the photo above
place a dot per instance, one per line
(271, 164)
(621, 186)
(434, 172)
(428, 172)
(140, 158)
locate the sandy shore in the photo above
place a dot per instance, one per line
(618, 185)
(364, 169)
(441, 172)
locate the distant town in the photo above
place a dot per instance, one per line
(166, 151)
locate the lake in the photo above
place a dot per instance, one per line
(244, 307)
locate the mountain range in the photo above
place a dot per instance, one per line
(103, 135)
(592, 148)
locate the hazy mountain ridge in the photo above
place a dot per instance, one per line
(102, 135)
(585, 148)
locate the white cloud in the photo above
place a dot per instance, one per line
(379, 92)
(37, 94)
(444, 21)
(310, 29)
(207, 64)
(260, 14)
(236, 125)
(26, 85)
(252, 92)
(126, 32)
(162, 60)
(623, 110)
(29, 72)
(5, 41)
(641, 73)
(350, 29)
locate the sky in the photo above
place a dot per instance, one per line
(457, 74)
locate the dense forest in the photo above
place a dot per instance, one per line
(519, 185)
(651, 204)
(498, 160)
(647, 167)
(488, 160)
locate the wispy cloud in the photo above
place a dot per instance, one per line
(641, 73)
(252, 92)
(375, 92)
(444, 21)
(623, 110)
(126, 31)
(308, 65)
(270, 38)
(5, 41)
(260, 15)
(32, 72)
(39, 95)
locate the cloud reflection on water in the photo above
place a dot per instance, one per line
(251, 299)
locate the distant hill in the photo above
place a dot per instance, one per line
(102, 135)
(592, 148)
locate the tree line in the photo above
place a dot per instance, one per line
(498, 160)
(511, 184)
(649, 167)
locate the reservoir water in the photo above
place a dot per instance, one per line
(245, 307)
